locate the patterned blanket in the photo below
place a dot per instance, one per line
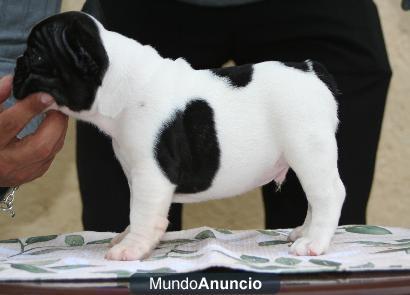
(81, 255)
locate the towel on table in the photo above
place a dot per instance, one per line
(81, 255)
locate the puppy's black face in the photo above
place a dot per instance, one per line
(65, 57)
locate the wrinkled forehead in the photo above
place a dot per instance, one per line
(56, 24)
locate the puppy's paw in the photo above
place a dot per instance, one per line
(296, 233)
(131, 248)
(118, 238)
(305, 246)
(135, 245)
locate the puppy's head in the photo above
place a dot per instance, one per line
(65, 57)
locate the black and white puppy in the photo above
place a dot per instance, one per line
(185, 135)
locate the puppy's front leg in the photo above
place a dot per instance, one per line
(119, 237)
(151, 197)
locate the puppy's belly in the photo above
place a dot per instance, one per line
(229, 185)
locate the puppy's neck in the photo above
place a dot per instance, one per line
(131, 67)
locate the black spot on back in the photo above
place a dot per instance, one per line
(303, 66)
(327, 78)
(187, 148)
(320, 71)
(238, 76)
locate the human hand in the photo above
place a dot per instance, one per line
(26, 159)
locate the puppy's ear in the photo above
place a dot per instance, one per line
(84, 46)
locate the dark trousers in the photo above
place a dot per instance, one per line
(344, 35)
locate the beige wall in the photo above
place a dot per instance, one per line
(390, 197)
(52, 204)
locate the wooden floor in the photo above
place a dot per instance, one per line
(52, 204)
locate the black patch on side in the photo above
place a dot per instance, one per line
(302, 66)
(325, 76)
(187, 148)
(65, 57)
(238, 76)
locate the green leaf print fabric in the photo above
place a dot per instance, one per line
(81, 255)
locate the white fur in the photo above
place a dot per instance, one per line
(284, 117)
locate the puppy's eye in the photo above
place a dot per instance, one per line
(36, 59)
(39, 64)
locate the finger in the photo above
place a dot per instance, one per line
(60, 143)
(5, 87)
(15, 139)
(65, 120)
(29, 173)
(37, 171)
(42, 144)
(53, 131)
(13, 120)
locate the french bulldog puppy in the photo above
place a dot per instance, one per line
(185, 135)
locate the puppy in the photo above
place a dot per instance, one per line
(185, 135)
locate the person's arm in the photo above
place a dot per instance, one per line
(26, 159)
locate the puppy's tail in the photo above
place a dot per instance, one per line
(323, 74)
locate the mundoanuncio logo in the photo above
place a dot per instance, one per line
(204, 282)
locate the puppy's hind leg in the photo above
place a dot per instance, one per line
(300, 231)
(314, 159)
